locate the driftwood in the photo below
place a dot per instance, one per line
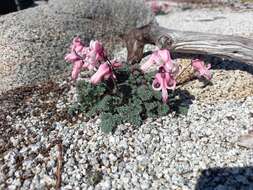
(236, 48)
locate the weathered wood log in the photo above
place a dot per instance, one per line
(189, 43)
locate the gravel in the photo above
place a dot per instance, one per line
(194, 151)
(172, 152)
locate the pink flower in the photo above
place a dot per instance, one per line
(104, 72)
(76, 56)
(77, 45)
(157, 57)
(163, 81)
(161, 57)
(96, 53)
(77, 66)
(84, 57)
(89, 58)
(72, 57)
(155, 7)
(202, 70)
(172, 68)
(98, 49)
(159, 7)
(77, 51)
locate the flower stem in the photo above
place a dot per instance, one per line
(81, 57)
(184, 69)
(113, 79)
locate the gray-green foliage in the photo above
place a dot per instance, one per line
(132, 101)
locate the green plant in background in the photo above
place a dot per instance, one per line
(126, 94)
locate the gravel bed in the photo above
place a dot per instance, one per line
(194, 151)
(198, 150)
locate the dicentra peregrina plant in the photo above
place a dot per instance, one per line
(123, 94)
(91, 58)
(167, 71)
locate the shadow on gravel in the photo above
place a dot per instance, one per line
(237, 178)
(184, 101)
(219, 63)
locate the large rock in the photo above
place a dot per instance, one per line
(33, 41)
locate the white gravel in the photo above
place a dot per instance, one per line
(168, 153)
(196, 151)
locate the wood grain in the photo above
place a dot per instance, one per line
(186, 42)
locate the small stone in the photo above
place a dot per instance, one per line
(14, 141)
(167, 139)
(123, 144)
(106, 185)
(125, 180)
(49, 180)
(112, 158)
(106, 162)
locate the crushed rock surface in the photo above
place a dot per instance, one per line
(198, 150)
(194, 151)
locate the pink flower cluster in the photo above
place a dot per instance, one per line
(157, 7)
(94, 58)
(201, 69)
(168, 70)
(91, 58)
